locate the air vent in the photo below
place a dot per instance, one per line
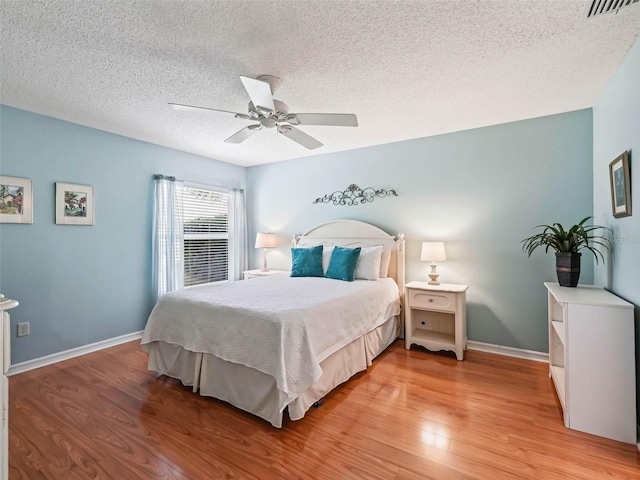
(600, 7)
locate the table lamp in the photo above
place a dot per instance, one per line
(433, 252)
(265, 240)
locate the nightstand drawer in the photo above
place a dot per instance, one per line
(443, 301)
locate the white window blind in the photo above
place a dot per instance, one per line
(206, 235)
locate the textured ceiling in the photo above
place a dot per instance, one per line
(408, 69)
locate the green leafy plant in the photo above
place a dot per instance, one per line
(578, 237)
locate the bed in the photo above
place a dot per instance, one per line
(280, 343)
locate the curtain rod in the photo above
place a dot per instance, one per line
(159, 176)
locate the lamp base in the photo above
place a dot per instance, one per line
(264, 261)
(433, 275)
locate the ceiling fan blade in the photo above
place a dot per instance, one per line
(190, 108)
(327, 119)
(241, 135)
(259, 92)
(299, 136)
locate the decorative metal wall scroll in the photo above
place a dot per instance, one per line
(354, 195)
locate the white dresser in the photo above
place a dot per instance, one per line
(5, 362)
(592, 360)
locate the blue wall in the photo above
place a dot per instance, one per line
(481, 191)
(616, 128)
(82, 284)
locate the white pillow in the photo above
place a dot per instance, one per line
(384, 263)
(326, 259)
(368, 266)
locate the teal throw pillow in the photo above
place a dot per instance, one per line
(343, 263)
(307, 262)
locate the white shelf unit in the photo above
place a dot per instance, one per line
(592, 360)
(435, 338)
(5, 361)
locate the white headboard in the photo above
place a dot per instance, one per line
(353, 233)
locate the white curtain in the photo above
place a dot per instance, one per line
(168, 235)
(237, 235)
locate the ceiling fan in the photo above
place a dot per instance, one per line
(272, 113)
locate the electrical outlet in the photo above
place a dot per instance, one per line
(24, 329)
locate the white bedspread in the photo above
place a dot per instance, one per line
(279, 325)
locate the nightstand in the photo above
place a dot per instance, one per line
(249, 274)
(436, 316)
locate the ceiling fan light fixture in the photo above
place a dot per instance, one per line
(268, 122)
(270, 113)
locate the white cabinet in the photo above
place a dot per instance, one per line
(5, 362)
(436, 316)
(592, 360)
(249, 274)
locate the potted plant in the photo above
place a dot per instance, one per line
(567, 245)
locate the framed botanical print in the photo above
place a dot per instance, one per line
(74, 204)
(16, 200)
(620, 186)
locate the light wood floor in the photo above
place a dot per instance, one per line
(413, 415)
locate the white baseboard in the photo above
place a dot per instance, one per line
(508, 351)
(112, 342)
(72, 353)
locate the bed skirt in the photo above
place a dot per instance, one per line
(256, 392)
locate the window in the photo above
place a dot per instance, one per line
(206, 235)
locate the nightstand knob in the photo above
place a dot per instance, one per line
(431, 299)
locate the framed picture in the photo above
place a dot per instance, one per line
(620, 186)
(16, 200)
(74, 204)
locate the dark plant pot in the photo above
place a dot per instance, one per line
(568, 268)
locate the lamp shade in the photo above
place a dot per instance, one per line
(266, 240)
(433, 252)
